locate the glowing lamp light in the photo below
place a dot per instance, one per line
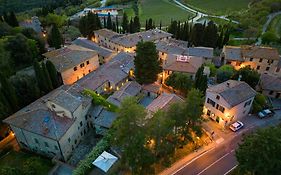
(13, 134)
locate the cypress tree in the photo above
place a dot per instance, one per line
(160, 27)
(9, 92)
(220, 39)
(98, 22)
(146, 25)
(178, 32)
(5, 107)
(114, 27)
(1, 19)
(104, 22)
(200, 80)
(6, 17)
(173, 28)
(47, 77)
(211, 35)
(40, 77)
(12, 20)
(131, 26)
(137, 25)
(196, 34)
(53, 73)
(125, 23)
(226, 37)
(83, 26)
(117, 25)
(55, 37)
(150, 24)
(109, 22)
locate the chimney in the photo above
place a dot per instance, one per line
(227, 84)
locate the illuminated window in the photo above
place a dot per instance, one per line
(75, 68)
(88, 62)
(82, 65)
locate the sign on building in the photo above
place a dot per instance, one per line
(182, 58)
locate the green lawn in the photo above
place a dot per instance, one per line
(218, 7)
(275, 26)
(161, 10)
(19, 160)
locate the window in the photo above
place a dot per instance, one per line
(277, 69)
(238, 64)
(271, 92)
(81, 124)
(88, 62)
(69, 140)
(82, 65)
(218, 97)
(75, 141)
(251, 59)
(56, 148)
(217, 106)
(83, 74)
(162, 53)
(46, 144)
(211, 102)
(221, 109)
(258, 67)
(75, 68)
(267, 68)
(86, 117)
(89, 71)
(36, 140)
(53, 106)
(208, 113)
(270, 61)
(260, 60)
(247, 103)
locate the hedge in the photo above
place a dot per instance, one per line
(85, 165)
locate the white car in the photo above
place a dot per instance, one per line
(265, 113)
(236, 126)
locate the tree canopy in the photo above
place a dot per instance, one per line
(248, 75)
(147, 64)
(260, 152)
(224, 73)
(179, 81)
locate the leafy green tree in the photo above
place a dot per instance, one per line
(55, 37)
(5, 61)
(269, 37)
(53, 73)
(213, 69)
(179, 81)
(161, 133)
(259, 103)
(131, 118)
(5, 107)
(20, 51)
(54, 19)
(125, 23)
(147, 64)
(26, 90)
(201, 80)
(9, 92)
(5, 29)
(8, 170)
(224, 73)
(259, 152)
(249, 75)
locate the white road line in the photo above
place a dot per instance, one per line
(213, 163)
(230, 170)
(232, 150)
(192, 161)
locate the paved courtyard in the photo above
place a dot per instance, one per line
(84, 147)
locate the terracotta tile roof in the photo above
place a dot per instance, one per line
(270, 82)
(107, 33)
(69, 57)
(163, 102)
(233, 92)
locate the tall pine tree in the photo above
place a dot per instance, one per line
(47, 77)
(147, 64)
(137, 25)
(125, 23)
(55, 37)
(109, 22)
(53, 74)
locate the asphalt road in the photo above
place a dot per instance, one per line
(217, 161)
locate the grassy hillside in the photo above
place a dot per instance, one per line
(161, 10)
(22, 5)
(218, 7)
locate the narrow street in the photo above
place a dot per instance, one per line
(219, 157)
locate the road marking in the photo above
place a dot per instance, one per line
(232, 150)
(230, 170)
(213, 163)
(192, 161)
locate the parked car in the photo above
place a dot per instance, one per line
(236, 126)
(265, 113)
